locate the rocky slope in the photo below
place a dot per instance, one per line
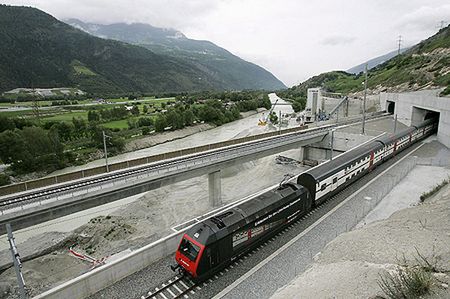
(352, 264)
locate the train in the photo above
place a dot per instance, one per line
(213, 243)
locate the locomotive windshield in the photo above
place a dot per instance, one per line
(189, 250)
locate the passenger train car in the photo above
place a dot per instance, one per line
(213, 243)
(329, 178)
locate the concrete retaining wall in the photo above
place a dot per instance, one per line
(354, 106)
(343, 141)
(406, 105)
(104, 276)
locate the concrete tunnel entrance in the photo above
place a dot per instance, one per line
(421, 114)
(390, 107)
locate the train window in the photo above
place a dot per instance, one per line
(335, 180)
(323, 187)
(224, 215)
(189, 249)
(218, 222)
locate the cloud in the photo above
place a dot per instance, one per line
(337, 40)
(424, 18)
(294, 39)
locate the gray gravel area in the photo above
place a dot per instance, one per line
(293, 261)
(376, 127)
(297, 257)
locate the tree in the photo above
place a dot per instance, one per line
(132, 123)
(144, 122)
(4, 179)
(145, 131)
(93, 116)
(114, 143)
(174, 119)
(6, 124)
(189, 117)
(65, 130)
(160, 123)
(299, 104)
(135, 110)
(32, 149)
(80, 127)
(273, 118)
(11, 146)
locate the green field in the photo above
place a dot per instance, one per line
(116, 124)
(65, 113)
(66, 116)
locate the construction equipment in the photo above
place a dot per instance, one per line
(265, 118)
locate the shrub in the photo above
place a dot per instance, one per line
(409, 282)
(433, 191)
(4, 179)
(145, 131)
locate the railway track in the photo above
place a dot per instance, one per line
(136, 172)
(292, 229)
(177, 287)
(182, 287)
(8, 202)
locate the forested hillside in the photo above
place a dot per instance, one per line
(232, 71)
(37, 50)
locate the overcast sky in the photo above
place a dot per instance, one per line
(293, 39)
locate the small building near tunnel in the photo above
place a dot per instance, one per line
(414, 107)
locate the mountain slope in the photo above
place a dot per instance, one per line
(424, 65)
(374, 62)
(37, 50)
(230, 70)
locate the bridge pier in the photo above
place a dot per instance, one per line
(302, 153)
(215, 188)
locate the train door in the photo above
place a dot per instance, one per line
(334, 184)
(410, 137)
(213, 257)
(372, 155)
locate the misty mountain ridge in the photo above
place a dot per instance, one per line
(216, 61)
(135, 33)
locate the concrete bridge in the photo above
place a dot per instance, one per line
(29, 208)
(35, 206)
